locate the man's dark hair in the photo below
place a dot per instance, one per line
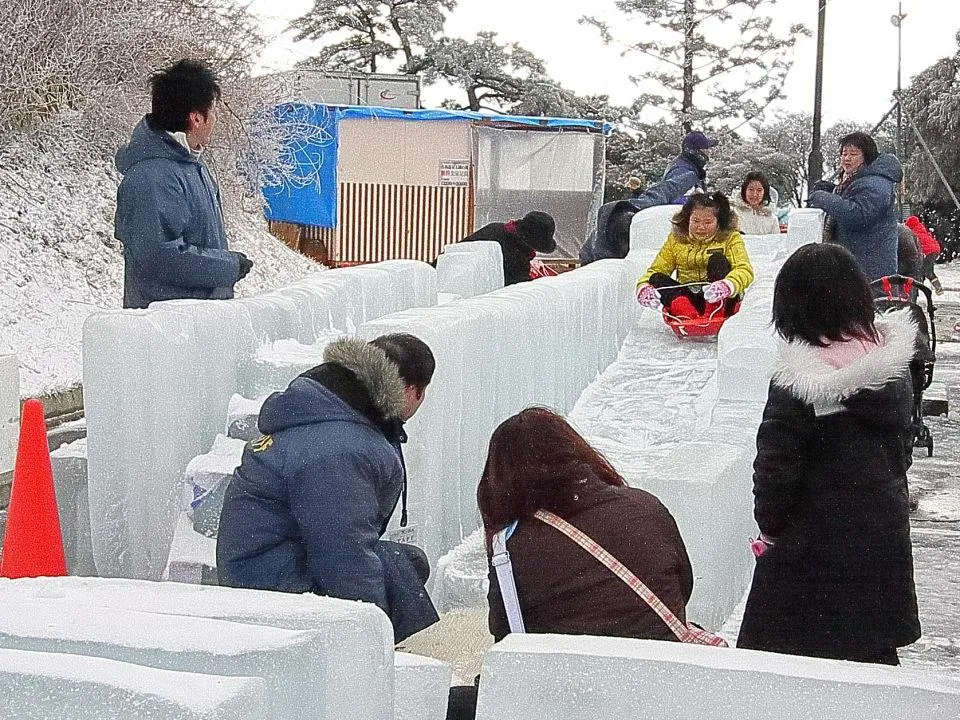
(821, 295)
(185, 87)
(412, 356)
(864, 143)
(755, 176)
(716, 201)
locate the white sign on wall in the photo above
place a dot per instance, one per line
(454, 173)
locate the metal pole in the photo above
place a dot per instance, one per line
(815, 161)
(899, 68)
(900, 189)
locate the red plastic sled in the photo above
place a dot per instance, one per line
(699, 327)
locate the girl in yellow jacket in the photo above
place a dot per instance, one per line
(704, 246)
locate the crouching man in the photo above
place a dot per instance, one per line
(308, 505)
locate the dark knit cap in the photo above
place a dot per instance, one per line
(537, 229)
(696, 140)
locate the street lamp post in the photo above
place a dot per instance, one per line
(897, 21)
(815, 161)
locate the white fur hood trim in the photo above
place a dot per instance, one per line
(800, 370)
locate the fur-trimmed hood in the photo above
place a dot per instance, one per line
(374, 369)
(357, 383)
(801, 371)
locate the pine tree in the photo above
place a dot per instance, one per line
(704, 80)
(365, 33)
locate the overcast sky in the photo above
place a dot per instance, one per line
(860, 50)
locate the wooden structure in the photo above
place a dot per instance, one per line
(405, 183)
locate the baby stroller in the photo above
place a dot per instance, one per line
(899, 291)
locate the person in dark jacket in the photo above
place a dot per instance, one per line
(909, 254)
(306, 509)
(537, 461)
(610, 237)
(861, 213)
(929, 248)
(834, 573)
(169, 218)
(520, 241)
(694, 156)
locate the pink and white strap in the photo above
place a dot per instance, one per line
(683, 632)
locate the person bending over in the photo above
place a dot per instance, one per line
(308, 506)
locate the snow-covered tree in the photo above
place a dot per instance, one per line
(493, 76)
(82, 68)
(718, 62)
(933, 102)
(365, 34)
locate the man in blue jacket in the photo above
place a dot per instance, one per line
(169, 217)
(694, 156)
(306, 509)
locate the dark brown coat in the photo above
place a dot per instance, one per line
(565, 590)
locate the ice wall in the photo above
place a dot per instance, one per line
(569, 678)
(9, 410)
(321, 657)
(534, 343)
(43, 685)
(157, 385)
(471, 268)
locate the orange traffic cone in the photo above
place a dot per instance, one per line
(33, 544)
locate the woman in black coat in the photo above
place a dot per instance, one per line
(834, 574)
(520, 241)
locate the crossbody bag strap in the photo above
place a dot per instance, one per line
(508, 588)
(618, 569)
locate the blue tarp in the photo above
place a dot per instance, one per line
(310, 196)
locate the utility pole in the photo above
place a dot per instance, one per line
(815, 162)
(897, 21)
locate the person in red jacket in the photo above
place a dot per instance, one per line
(930, 249)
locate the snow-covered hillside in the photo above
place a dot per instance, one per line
(59, 260)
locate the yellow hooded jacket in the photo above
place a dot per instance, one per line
(689, 259)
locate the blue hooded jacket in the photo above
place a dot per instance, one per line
(307, 506)
(686, 162)
(170, 222)
(610, 237)
(864, 215)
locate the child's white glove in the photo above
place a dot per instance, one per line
(717, 291)
(648, 296)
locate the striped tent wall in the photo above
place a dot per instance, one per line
(389, 222)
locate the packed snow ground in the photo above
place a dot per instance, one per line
(59, 261)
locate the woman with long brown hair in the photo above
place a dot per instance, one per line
(537, 461)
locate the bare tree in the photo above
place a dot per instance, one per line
(83, 67)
